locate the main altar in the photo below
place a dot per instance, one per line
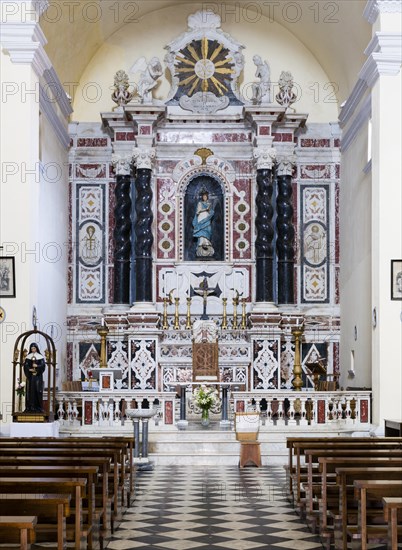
(221, 204)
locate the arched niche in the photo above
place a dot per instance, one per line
(211, 187)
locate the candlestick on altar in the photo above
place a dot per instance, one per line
(243, 324)
(176, 324)
(188, 318)
(103, 332)
(224, 316)
(165, 325)
(297, 369)
(235, 304)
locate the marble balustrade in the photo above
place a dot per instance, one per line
(277, 408)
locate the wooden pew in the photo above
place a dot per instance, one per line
(90, 473)
(123, 444)
(74, 488)
(342, 439)
(24, 525)
(41, 457)
(372, 490)
(392, 507)
(301, 474)
(48, 509)
(345, 476)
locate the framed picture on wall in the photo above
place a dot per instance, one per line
(7, 277)
(396, 279)
(106, 381)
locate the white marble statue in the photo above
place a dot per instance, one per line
(150, 72)
(262, 89)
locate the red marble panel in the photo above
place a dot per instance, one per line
(110, 286)
(131, 136)
(243, 167)
(110, 214)
(321, 411)
(69, 373)
(335, 349)
(364, 416)
(70, 285)
(337, 171)
(88, 408)
(315, 143)
(144, 129)
(288, 137)
(264, 130)
(169, 412)
(92, 142)
(337, 142)
(239, 406)
(337, 293)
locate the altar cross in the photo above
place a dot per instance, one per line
(204, 291)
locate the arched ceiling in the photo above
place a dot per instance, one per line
(335, 32)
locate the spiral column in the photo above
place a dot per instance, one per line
(264, 248)
(143, 226)
(285, 229)
(122, 230)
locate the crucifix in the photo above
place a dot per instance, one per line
(204, 291)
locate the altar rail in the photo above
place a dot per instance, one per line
(277, 408)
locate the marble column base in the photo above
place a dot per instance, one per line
(182, 424)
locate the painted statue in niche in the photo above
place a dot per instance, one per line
(203, 220)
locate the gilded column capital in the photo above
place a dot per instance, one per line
(264, 157)
(144, 157)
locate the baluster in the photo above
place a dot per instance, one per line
(291, 411)
(110, 412)
(117, 413)
(100, 412)
(303, 412)
(69, 412)
(74, 412)
(60, 411)
(348, 411)
(280, 411)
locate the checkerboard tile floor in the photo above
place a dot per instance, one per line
(214, 508)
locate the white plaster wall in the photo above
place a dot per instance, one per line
(355, 265)
(53, 235)
(33, 213)
(148, 38)
(387, 245)
(19, 216)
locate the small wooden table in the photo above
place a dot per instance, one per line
(250, 453)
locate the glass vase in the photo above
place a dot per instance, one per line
(205, 418)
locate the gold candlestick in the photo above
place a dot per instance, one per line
(188, 318)
(243, 324)
(103, 332)
(235, 304)
(224, 316)
(176, 324)
(165, 325)
(297, 370)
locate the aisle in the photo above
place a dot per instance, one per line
(211, 508)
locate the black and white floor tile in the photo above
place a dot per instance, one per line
(214, 508)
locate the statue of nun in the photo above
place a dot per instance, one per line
(34, 368)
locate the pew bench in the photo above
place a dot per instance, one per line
(393, 517)
(22, 526)
(51, 511)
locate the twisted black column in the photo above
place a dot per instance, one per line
(285, 240)
(122, 240)
(265, 236)
(144, 238)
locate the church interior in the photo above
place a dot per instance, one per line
(195, 247)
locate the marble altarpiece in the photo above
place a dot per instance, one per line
(272, 183)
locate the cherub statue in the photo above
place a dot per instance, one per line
(262, 89)
(149, 74)
(121, 95)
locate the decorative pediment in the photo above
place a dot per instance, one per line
(205, 64)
